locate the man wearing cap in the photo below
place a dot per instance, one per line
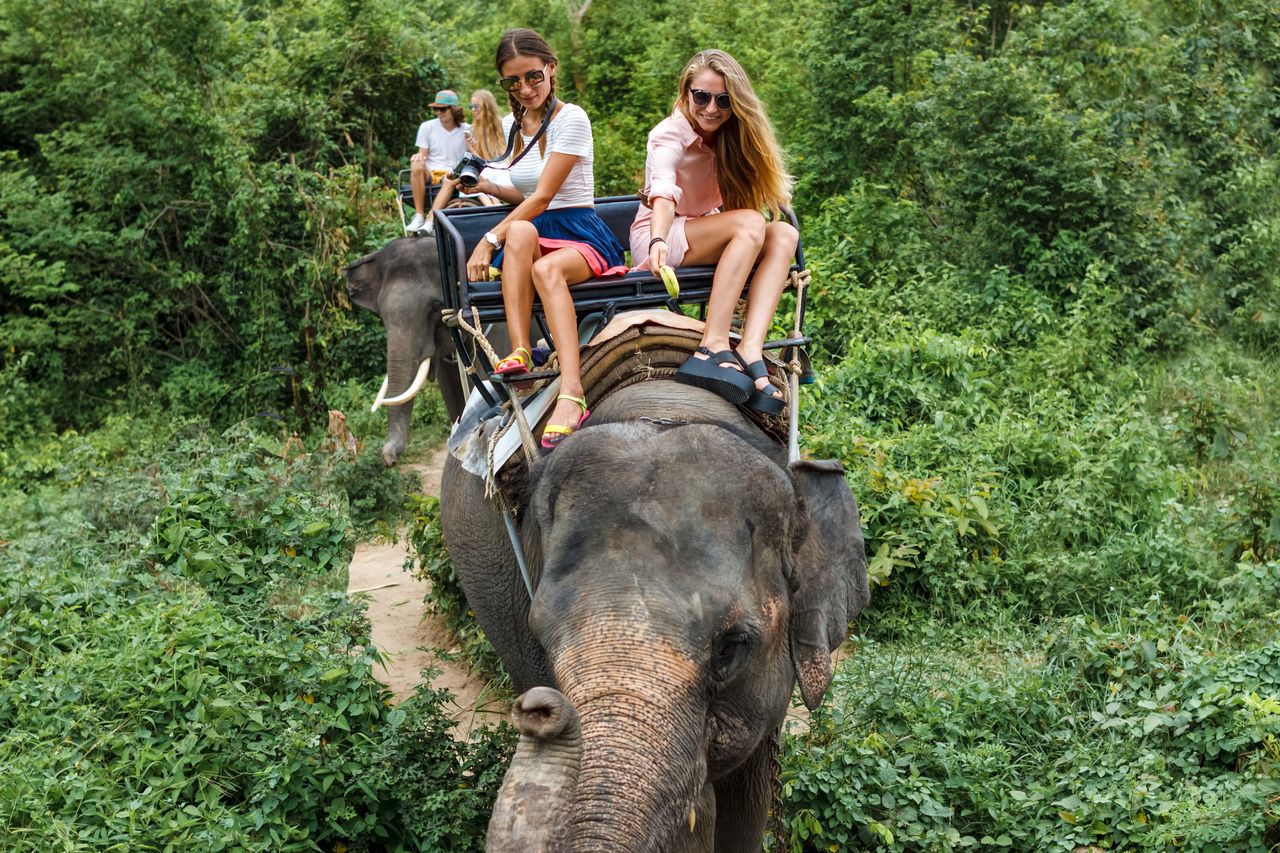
(441, 143)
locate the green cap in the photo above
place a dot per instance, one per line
(445, 98)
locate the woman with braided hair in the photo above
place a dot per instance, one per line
(713, 168)
(553, 238)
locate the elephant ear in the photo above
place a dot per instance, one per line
(830, 573)
(364, 281)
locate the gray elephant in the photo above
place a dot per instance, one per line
(401, 284)
(685, 578)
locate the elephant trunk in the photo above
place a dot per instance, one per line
(531, 811)
(643, 761)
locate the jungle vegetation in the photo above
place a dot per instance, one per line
(1046, 313)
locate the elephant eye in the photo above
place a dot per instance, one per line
(730, 653)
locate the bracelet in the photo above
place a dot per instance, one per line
(656, 240)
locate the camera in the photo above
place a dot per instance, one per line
(467, 172)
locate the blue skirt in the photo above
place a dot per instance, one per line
(581, 229)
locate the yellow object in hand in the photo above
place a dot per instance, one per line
(669, 279)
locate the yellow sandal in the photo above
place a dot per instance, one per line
(553, 434)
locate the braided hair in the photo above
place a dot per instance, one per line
(523, 42)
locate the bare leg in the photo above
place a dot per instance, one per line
(552, 276)
(418, 180)
(780, 239)
(520, 252)
(732, 241)
(447, 189)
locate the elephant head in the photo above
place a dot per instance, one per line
(685, 580)
(401, 284)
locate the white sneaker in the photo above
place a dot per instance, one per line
(428, 227)
(416, 224)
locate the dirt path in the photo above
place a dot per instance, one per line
(403, 631)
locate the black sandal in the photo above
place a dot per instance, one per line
(709, 374)
(762, 399)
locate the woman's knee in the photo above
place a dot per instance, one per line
(547, 275)
(522, 236)
(782, 236)
(749, 225)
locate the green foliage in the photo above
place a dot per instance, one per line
(1145, 732)
(183, 668)
(161, 210)
(1021, 276)
(444, 787)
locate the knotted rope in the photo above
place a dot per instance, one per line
(799, 280)
(526, 434)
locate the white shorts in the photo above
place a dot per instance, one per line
(677, 243)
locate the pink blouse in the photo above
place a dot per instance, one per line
(679, 167)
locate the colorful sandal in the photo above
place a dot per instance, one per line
(553, 434)
(514, 364)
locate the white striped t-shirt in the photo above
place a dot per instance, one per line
(568, 133)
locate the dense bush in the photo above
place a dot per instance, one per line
(1045, 309)
(1144, 733)
(182, 183)
(443, 786)
(183, 668)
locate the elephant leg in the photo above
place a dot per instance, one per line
(742, 801)
(486, 566)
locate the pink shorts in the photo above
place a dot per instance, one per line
(677, 243)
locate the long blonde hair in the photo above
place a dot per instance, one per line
(750, 170)
(486, 129)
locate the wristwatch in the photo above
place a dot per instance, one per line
(492, 240)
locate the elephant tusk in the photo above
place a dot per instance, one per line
(382, 393)
(414, 388)
(693, 818)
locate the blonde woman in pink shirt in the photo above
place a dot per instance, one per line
(713, 168)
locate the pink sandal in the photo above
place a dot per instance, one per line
(514, 364)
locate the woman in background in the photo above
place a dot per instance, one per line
(488, 139)
(713, 166)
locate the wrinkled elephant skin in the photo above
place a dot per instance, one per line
(686, 577)
(401, 284)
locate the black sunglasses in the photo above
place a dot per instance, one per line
(531, 79)
(701, 97)
(442, 109)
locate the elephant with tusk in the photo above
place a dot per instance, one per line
(401, 284)
(686, 578)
